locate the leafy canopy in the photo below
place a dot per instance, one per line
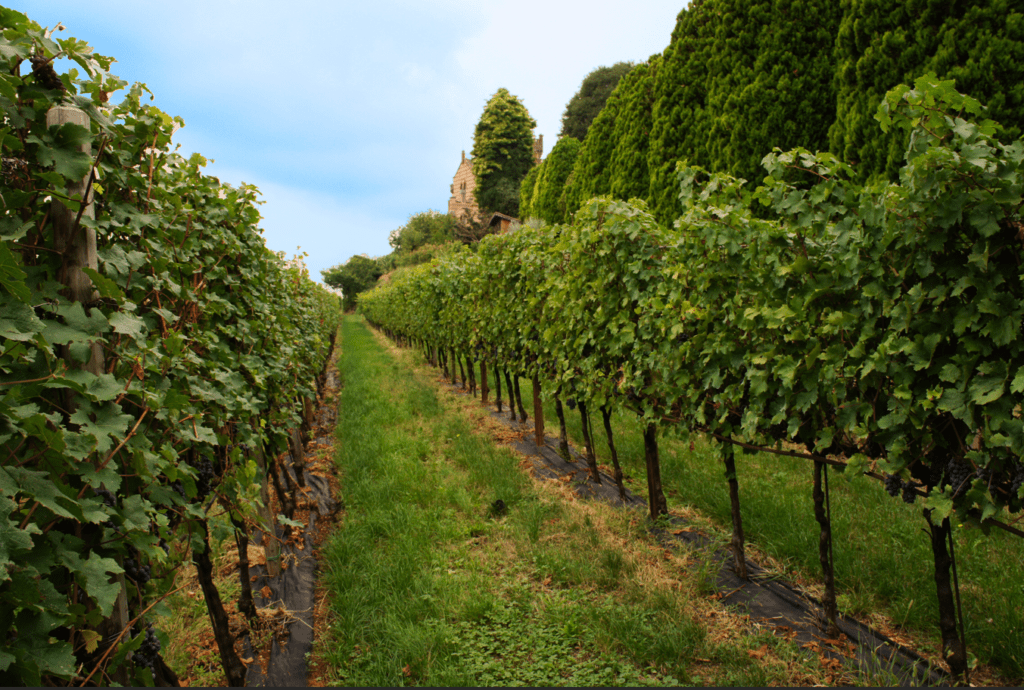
(428, 227)
(206, 340)
(586, 103)
(356, 275)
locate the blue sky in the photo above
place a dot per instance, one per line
(349, 116)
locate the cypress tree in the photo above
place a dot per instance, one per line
(551, 180)
(526, 192)
(881, 44)
(680, 121)
(739, 78)
(628, 165)
(591, 173)
(771, 82)
(502, 153)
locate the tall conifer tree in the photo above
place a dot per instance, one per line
(739, 78)
(591, 172)
(526, 192)
(881, 44)
(628, 163)
(502, 153)
(547, 193)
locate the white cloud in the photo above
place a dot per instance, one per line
(330, 231)
(541, 50)
(350, 116)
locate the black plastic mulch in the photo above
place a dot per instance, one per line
(784, 607)
(294, 588)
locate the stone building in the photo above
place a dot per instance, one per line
(462, 200)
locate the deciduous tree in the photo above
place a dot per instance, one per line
(586, 103)
(428, 227)
(356, 275)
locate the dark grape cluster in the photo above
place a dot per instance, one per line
(45, 74)
(907, 490)
(205, 477)
(140, 574)
(958, 475)
(179, 489)
(1018, 479)
(109, 501)
(893, 484)
(148, 652)
(571, 402)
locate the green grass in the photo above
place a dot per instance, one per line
(883, 559)
(429, 587)
(189, 649)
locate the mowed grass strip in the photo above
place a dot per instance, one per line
(431, 585)
(883, 559)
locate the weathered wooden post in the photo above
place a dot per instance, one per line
(729, 458)
(298, 457)
(655, 495)
(538, 413)
(76, 245)
(271, 546)
(484, 390)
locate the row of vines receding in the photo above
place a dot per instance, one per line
(875, 328)
(155, 358)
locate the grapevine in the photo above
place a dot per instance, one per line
(880, 319)
(206, 352)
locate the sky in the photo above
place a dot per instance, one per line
(351, 117)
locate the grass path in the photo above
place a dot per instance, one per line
(432, 583)
(884, 571)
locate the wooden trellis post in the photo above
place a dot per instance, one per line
(76, 245)
(75, 242)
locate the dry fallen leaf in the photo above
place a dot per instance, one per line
(257, 555)
(266, 591)
(758, 653)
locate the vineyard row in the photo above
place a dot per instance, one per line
(156, 360)
(877, 326)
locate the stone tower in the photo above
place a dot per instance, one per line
(538, 149)
(462, 199)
